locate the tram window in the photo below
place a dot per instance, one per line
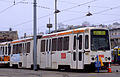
(25, 47)
(80, 56)
(19, 48)
(47, 45)
(28, 47)
(14, 49)
(66, 43)
(60, 43)
(9, 50)
(80, 42)
(74, 56)
(17, 51)
(74, 44)
(43, 46)
(86, 42)
(50, 45)
(5, 50)
(54, 44)
(1, 51)
(119, 52)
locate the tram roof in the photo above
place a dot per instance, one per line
(78, 30)
(22, 40)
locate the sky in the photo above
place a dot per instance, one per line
(18, 14)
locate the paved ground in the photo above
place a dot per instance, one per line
(9, 72)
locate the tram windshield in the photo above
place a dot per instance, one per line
(100, 40)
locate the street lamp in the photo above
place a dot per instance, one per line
(88, 14)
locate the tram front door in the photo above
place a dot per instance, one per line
(77, 57)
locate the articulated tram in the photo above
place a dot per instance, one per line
(71, 49)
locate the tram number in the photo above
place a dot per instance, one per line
(102, 56)
(63, 55)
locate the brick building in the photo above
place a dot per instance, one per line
(8, 35)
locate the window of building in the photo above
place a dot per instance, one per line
(86, 42)
(66, 43)
(42, 45)
(60, 43)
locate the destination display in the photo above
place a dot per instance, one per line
(99, 32)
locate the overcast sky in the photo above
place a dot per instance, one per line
(19, 16)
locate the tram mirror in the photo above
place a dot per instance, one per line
(77, 38)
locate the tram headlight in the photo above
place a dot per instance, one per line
(108, 58)
(92, 58)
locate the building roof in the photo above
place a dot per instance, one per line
(8, 36)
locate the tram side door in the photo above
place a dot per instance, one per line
(78, 51)
(48, 53)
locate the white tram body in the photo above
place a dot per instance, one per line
(71, 49)
(74, 49)
(21, 53)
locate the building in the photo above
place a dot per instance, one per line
(115, 37)
(8, 35)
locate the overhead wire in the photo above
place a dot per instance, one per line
(32, 20)
(72, 19)
(14, 3)
(68, 2)
(111, 20)
(78, 5)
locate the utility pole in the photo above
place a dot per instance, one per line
(49, 23)
(56, 11)
(55, 16)
(35, 36)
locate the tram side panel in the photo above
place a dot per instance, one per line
(62, 58)
(59, 52)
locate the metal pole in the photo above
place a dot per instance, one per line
(55, 16)
(35, 37)
(49, 23)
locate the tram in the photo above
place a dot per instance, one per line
(116, 55)
(75, 49)
(5, 51)
(70, 49)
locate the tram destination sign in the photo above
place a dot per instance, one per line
(99, 32)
